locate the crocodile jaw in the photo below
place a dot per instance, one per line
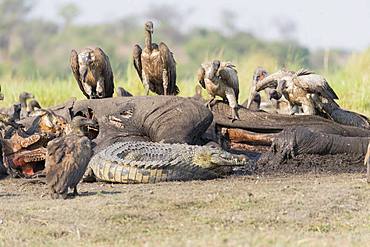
(210, 160)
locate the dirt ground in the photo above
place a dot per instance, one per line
(309, 209)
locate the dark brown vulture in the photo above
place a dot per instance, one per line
(121, 92)
(23, 97)
(221, 79)
(33, 107)
(155, 65)
(67, 158)
(93, 73)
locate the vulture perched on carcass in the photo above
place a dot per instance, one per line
(221, 79)
(155, 65)
(67, 158)
(303, 88)
(93, 73)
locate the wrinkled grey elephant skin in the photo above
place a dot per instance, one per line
(169, 119)
(300, 140)
(263, 122)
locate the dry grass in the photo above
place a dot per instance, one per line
(309, 210)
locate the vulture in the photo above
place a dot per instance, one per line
(254, 100)
(93, 73)
(221, 79)
(67, 158)
(23, 98)
(155, 65)
(367, 162)
(33, 107)
(302, 88)
(121, 92)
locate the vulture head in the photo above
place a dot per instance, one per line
(81, 125)
(282, 85)
(149, 27)
(259, 74)
(214, 68)
(23, 97)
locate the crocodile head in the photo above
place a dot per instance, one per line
(210, 158)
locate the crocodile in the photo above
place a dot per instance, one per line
(149, 162)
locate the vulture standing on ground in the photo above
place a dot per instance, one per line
(221, 79)
(67, 158)
(155, 65)
(93, 73)
(302, 88)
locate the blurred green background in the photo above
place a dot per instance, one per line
(34, 53)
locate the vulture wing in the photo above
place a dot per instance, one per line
(136, 56)
(229, 75)
(314, 83)
(169, 64)
(66, 161)
(102, 61)
(201, 75)
(76, 72)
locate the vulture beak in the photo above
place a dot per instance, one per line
(275, 95)
(91, 124)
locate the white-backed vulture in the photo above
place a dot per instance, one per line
(221, 79)
(67, 158)
(93, 73)
(302, 88)
(155, 65)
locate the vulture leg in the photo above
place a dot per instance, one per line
(230, 96)
(146, 83)
(75, 193)
(165, 81)
(54, 195)
(100, 88)
(64, 195)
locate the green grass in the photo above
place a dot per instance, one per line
(351, 83)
